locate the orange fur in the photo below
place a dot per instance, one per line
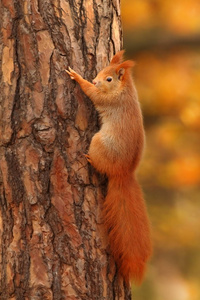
(117, 58)
(128, 226)
(116, 151)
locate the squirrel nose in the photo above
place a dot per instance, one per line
(94, 82)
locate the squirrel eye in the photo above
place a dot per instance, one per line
(109, 79)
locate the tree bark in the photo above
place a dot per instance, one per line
(52, 240)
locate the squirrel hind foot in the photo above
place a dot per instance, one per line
(88, 158)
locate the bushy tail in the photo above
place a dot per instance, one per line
(128, 227)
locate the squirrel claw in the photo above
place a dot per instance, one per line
(88, 158)
(71, 72)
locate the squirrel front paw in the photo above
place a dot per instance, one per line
(72, 74)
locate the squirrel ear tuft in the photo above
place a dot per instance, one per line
(117, 58)
(123, 66)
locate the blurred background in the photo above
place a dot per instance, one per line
(163, 37)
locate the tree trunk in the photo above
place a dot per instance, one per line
(52, 240)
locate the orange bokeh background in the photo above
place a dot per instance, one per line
(163, 37)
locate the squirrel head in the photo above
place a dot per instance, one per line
(115, 76)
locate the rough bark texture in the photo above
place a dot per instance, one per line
(52, 242)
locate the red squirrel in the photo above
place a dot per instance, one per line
(116, 151)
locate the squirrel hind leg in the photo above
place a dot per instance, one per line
(104, 159)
